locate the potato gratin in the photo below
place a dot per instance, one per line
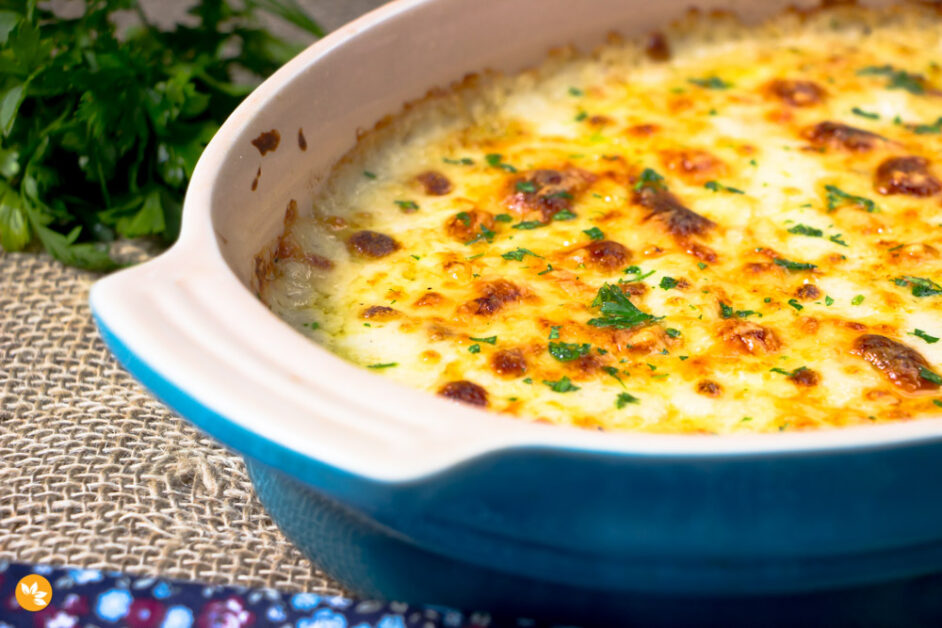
(718, 229)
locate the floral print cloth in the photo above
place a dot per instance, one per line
(86, 598)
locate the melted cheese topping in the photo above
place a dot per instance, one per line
(766, 200)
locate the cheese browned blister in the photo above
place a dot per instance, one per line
(717, 229)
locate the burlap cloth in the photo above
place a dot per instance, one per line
(94, 472)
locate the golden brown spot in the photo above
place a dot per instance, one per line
(902, 365)
(693, 164)
(429, 299)
(906, 175)
(680, 221)
(643, 130)
(656, 47)
(553, 191)
(258, 175)
(796, 93)
(430, 356)
(302, 141)
(808, 292)
(379, 313)
(267, 141)
(635, 289)
(749, 337)
(600, 120)
(495, 295)
(318, 261)
(709, 388)
(805, 377)
(509, 363)
(435, 183)
(607, 255)
(465, 392)
(585, 365)
(841, 136)
(465, 226)
(372, 244)
(701, 252)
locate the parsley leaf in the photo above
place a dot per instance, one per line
(528, 224)
(921, 334)
(667, 283)
(563, 385)
(594, 233)
(101, 132)
(805, 230)
(624, 399)
(617, 311)
(857, 111)
(929, 376)
(710, 82)
(567, 352)
(496, 160)
(407, 206)
(650, 179)
(838, 197)
(518, 254)
(489, 340)
(921, 286)
(486, 234)
(896, 79)
(383, 365)
(475, 348)
(715, 186)
(793, 266)
(795, 304)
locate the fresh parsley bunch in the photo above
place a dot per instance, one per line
(99, 132)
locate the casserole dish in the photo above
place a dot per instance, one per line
(403, 495)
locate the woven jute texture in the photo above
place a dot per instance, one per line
(95, 472)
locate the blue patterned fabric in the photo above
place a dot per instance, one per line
(86, 598)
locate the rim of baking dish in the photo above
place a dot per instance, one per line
(186, 327)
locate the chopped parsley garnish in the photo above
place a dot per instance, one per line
(594, 233)
(549, 269)
(795, 304)
(650, 179)
(491, 340)
(667, 283)
(710, 82)
(937, 402)
(921, 286)
(384, 365)
(857, 111)
(727, 311)
(611, 370)
(857, 300)
(828, 300)
(464, 161)
(896, 79)
(928, 129)
(673, 333)
(518, 254)
(805, 230)
(528, 224)
(504, 218)
(638, 275)
(564, 385)
(617, 311)
(789, 373)
(527, 187)
(575, 91)
(407, 205)
(369, 175)
(837, 239)
(624, 399)
(793, 266)
(564, 214)
(567, 352)
(316, 325)
(921, 334)
(582, 115)
(716, 186)
(496, 160)
(464, 217)
(838, 197)
(554, 332)
(930, 376)
(486, 234)
(475, 348)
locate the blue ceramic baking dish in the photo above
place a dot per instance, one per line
(403, 495)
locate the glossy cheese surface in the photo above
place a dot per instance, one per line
(717, 229)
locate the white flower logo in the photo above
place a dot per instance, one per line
(34, 592)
